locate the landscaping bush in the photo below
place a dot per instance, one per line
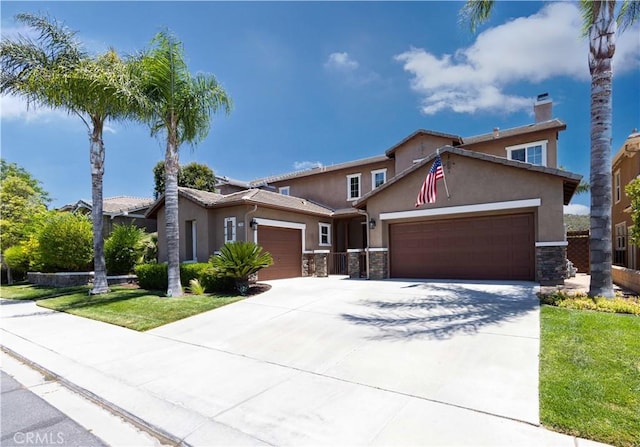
(239, 260)
(214, 283)
(66, 243)
(123, 249)
(17, 259)
(195, 287)
(581, 301)
(152, 276)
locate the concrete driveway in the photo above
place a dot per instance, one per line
(467, 345)
(315, 361)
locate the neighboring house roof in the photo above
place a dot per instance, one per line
(248, 197)
(571, 180)
(629, 148)
(231, 181)
(389, 152)
(318, 170)
(113, 205)
(544, 125)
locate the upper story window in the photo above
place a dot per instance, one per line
(229, 229)
(325, 233)
(284, 190)
(353, 186)
(534, 153)
(378, 178)
(618, 186)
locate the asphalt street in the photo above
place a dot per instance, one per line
(27, 420)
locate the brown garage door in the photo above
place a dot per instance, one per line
(285, 246)
(493, 247)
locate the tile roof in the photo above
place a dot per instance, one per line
(571, 180)
(250, 197)
(112, 205)
(318, 170)
(545, 125)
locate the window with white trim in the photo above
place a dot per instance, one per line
(378, 178)
(353, 186)
(229, 229)
(618, 186)
(534, 153)
(324, 230)
(621, 236)
(284, 190)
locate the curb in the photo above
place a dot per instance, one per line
(164, 437)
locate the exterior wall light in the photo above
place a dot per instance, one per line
(372, 223)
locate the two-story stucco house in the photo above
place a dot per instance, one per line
(624, 168)
(502, 219)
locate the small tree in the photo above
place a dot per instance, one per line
(193, 175)
(66, 242)
(124, 249)
(239, 260)
(633, 192)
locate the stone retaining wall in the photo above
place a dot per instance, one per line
(626, 278)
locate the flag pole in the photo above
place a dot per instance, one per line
(444, 177)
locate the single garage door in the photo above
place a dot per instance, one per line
(492, 247)
(285, 246)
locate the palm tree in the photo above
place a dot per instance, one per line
(181, 107)
(601, 19)
(54, 71)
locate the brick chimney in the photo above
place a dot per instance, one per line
(543, 108)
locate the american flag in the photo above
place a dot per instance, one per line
(427, 193)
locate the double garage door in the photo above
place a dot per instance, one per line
(492, 247)
(285, 246)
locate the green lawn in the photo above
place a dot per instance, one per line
(137, 309)
(31, 292)
(590, 374)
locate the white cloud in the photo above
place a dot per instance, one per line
(340, 62)
(576, 208)
(16, 108)
(530, 49)
(300, 165)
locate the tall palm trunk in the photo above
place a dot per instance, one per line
(602, 35)
(171, 213)
(97, 172)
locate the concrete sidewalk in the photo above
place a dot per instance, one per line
(232, 377)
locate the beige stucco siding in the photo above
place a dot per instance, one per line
(417, 148)
(472, 182)
(498, 147)
(330, 188)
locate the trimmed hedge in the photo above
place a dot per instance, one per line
(154, 276)
(214, 283)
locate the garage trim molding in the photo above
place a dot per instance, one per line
(280, 224)
(477, 208)
(552, 244)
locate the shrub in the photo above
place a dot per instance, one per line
(66, 243)
(150, 243)
(152, 276)
(213, 282)
(123, 249)
(239, 260)
(580, 301)
(17, 258)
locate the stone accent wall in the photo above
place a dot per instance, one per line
(626, 278)
(307, 264)
(378, 261)
(551, 265)
(72, 279)
(321, 264)
(353, 261)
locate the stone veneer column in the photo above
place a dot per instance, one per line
(378, 262)
(353, 262)
(551, 265)
(321, 258)
(307, 264)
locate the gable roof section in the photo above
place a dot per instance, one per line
(248, 197)
(629, 148)
(514, 131)
(570, 180)
(454, 138)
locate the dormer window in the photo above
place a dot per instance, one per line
(534, 153)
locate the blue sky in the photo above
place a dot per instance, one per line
(317, 82)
